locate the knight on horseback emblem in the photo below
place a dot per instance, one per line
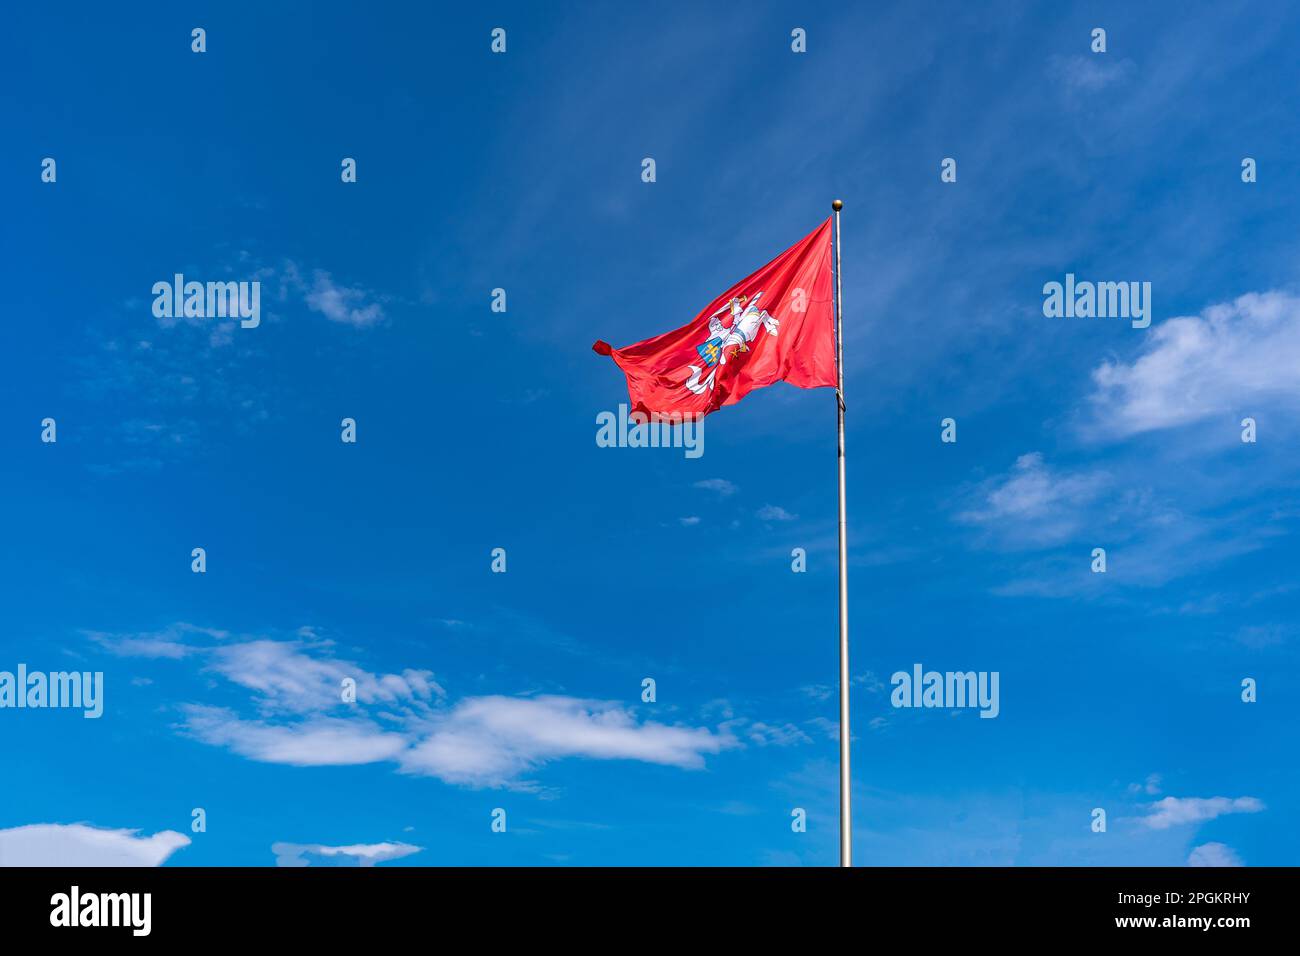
(727, 341)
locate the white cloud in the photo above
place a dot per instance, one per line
(173, 642)
(301, 719)
(80, 844)
(148, 647)
(359, 854)
(689, 521)
(720, 485)
(287, 678)
(1213, 854)
(1151, 786)
(340, 303)
(1035, 503)
(315, 742)
(828, 728)
(870, 681)
(779, 735)
(1230, 361)
(491, 741)
(1176, 811)
(819, 691)
(775, 513)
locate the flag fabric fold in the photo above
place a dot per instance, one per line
(777, 324)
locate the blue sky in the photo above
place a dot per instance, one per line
(476, 429)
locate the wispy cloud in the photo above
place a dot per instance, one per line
(1150, 786)
(301, 719)
(1230, 361)
(358, 854)
(1034, 504)
(1177, 811)
(1084, 74)
(312, 742)
(492, 741)
(172, 642)
(720, 485)
(776, 735)
(347, 305)
(286, 677)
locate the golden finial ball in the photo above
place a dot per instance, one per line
(837, 205)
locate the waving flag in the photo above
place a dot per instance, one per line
(776, 325)
(779, 325)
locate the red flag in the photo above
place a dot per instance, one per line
(776, 325)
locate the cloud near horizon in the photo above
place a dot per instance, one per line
(81, 844)
(358, 854)
(1213, 854)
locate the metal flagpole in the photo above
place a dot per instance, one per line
(846, 814)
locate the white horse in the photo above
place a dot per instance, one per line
(746, 317)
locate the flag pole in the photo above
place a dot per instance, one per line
(846, 814)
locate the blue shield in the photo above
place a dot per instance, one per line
(710, 351)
